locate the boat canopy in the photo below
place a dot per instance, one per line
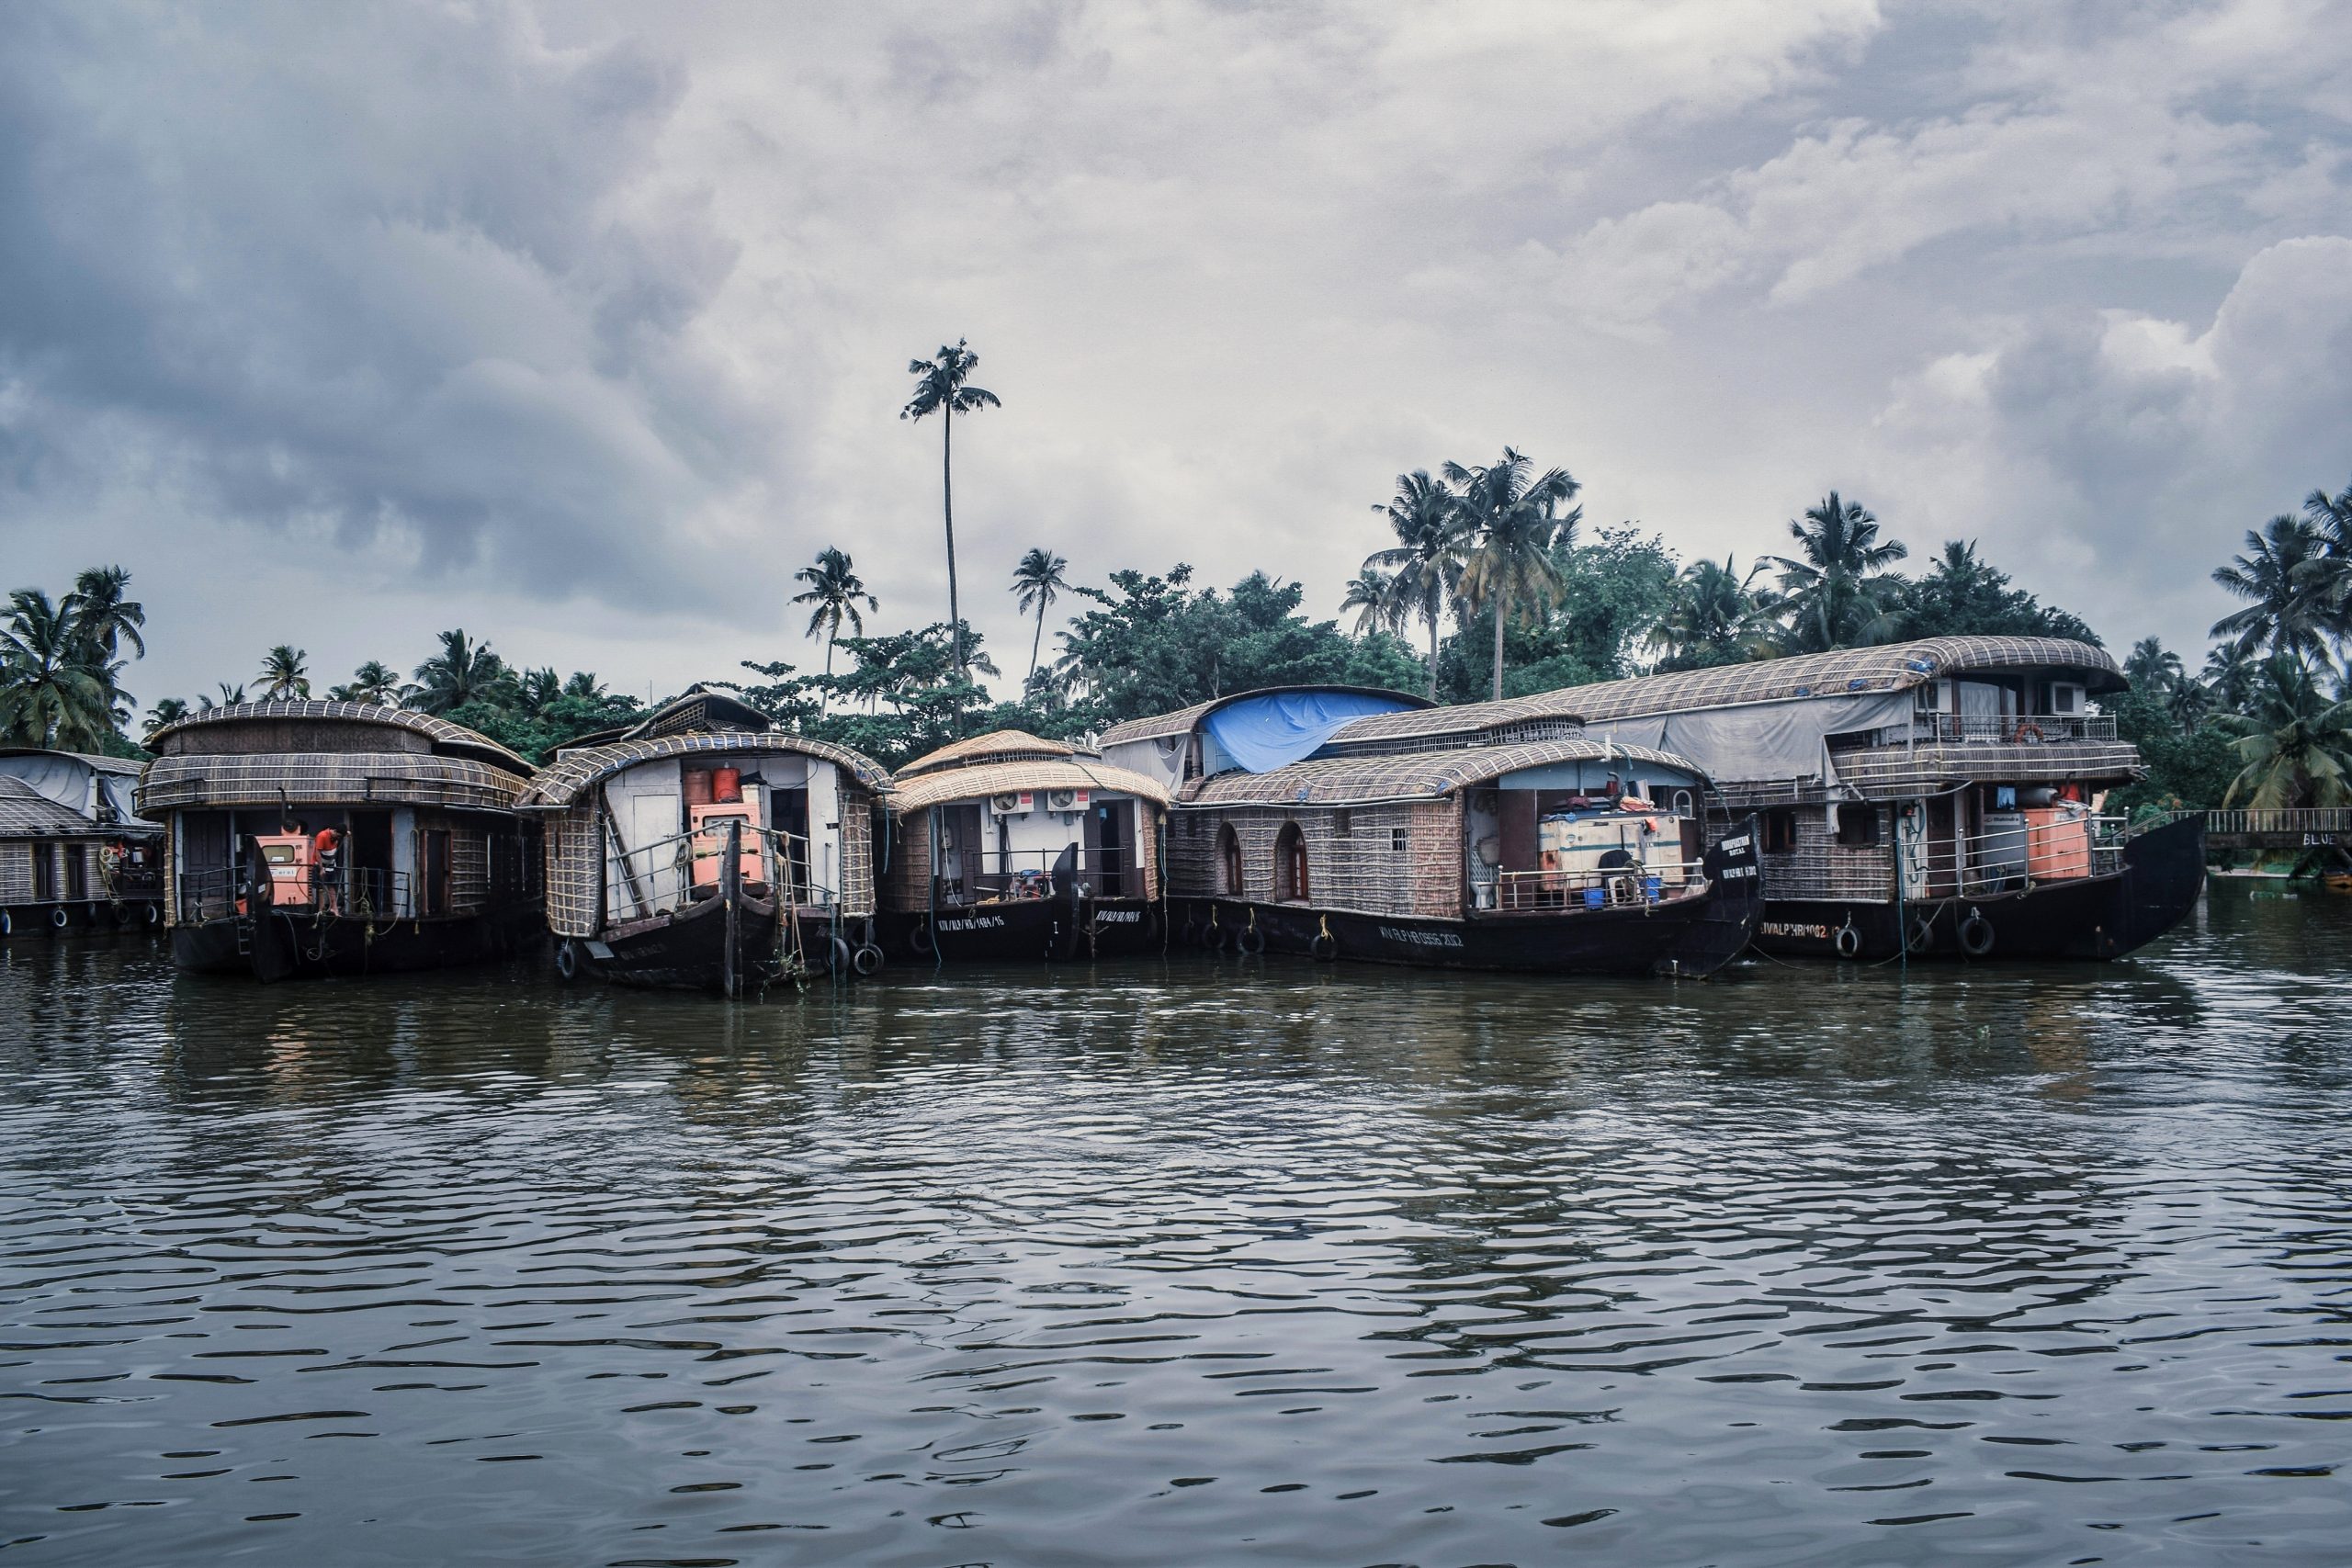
(26, 813)
(1033, 774)
(1161, 727)
(324, 754)
(997, 746)
(574, 771)
(255, 728)
(1431, 775)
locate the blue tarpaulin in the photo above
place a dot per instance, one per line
(1260, 734)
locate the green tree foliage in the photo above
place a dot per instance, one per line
(835, 591)
(284, 674)
(374, 683)
(55, 689)
(1838, 590)
(1038, 581)
(942, 388)
(1519, 519)
(1963, 596)
(2293, 742)
(1713, 616)
(1423, 568)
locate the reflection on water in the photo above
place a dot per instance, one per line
(1186, 1263)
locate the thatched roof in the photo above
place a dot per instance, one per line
(26, 813)
(1410, 775)
(997, 746)
(566, 779)
(1895, 667)
(1161, 726)
(96, 762)
(1028, 774)
(299, 779)
(451, 738)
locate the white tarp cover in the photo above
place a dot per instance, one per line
(1761, 740)
(67, 781)
(1161, 761)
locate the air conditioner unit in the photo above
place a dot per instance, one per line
(1009, 805)
(1066, 800)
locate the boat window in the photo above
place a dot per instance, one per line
(1857, 827)
(1396, 840)
(1682, 803)
(1228, 854)
(279, 854)
(1290, 865)
(1780, 832)
(1343, 822)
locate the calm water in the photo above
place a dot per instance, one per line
(1186, 1264)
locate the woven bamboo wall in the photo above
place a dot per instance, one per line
(857, 846)
(468, 868)
(575, 862)
(17, 872)
(1360, 869)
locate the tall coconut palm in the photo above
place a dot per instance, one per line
(1038, 581)
(1425, 564)
(50, 694)
(102, 618)
(1518, 522)
(2294, 740)
(537, 688)
(2154, 668)
(373, 682)
(2280, 574)
(463, 672)
(1837, 590)
(2329, 577)
(836, 592)
(1712, 615)
(167, 710)
(584, 687)
(941, 388)
(1372, 594)
(284, 675)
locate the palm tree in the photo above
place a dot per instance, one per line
(2295, 741)
(835, 590)
(230, 697)
(2280, 573)
(102, 618)
(940, 389)
(1712, 615)
(49, 693)
(1372, 594)
(1837, 590)
(1518, 522)
(461, 672)
(1037, 583)
(373, 682)
(283, 674)
(1425, 564)
(167, 710)
(538, 688)
(584, 687)
(2331, 576)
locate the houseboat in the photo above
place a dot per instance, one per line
(74, 851)
(1942, 797)
(1497, 846)
(328, 838)
(1007, 847)
(701, 848)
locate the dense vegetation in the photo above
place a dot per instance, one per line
(1491, 586)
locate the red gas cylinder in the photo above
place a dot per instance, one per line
(726, 783)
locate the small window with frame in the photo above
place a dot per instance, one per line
(1858, 828)
(1396, 840)
(1780, 832)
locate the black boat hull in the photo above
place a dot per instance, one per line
(2090, 919)
(283, 946)
(687, 951)
(1026, 930)
(1694, 936)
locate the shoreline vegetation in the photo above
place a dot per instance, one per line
(1488, 584)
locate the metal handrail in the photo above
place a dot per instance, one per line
(1014, 876)
(1525, 890)
(2002, 729)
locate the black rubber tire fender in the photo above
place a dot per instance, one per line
(866, 961)
(151, 917)
(7, 923)
(1325, 947)
(920, 940)
(1250, 939)
(567, 961)
(61, 916)
(1975, 935)
(1922, 934)
(839, 957)
(1849, 942)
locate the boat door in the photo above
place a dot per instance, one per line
(1911, 846)
(1107, 841)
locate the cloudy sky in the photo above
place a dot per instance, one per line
(584, 326)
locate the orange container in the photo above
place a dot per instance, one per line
(727, 784)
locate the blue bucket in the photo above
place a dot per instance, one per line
(1651, 886)
(1593, 898)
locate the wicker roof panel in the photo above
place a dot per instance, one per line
(325, 778)
(997, 746)
(26, 813)
(98, 761)
(1159, 727)
(438, 730)
(1410, 775)
(569, 777)
(1895, 667)
(1006, 778)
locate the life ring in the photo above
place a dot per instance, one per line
(567, 960)
(866, 961)
(1922, 934)
(61, 916)
(1975, 935)
(2024, 730)
(1250, 939)
(920, 942)
(1848, 941)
